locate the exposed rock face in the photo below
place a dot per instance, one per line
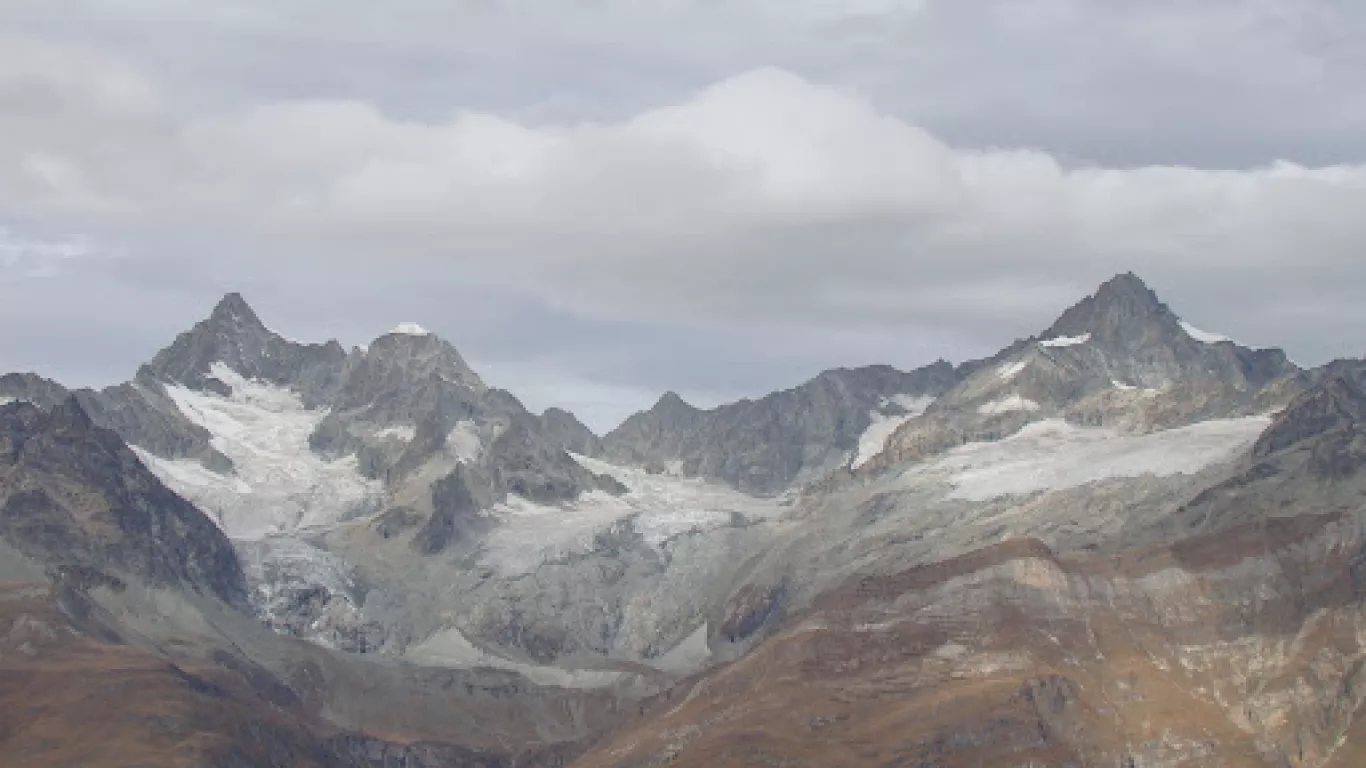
(235, 336)
(1121, 542)
(1335, 405)
(32, 388)
(139, 410)
(73, 495)
(765, 445)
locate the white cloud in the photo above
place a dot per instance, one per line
(767, 200)
(29, 258)
(762, 198)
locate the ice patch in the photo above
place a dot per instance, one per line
(882, 425)
(410, 329)
(1007, 405)
(1202, 336)
(1010, 370)
(450, 648)
(657, 507)
(1052, 455)
(6, 399)
(280, 483)
(1066, 341)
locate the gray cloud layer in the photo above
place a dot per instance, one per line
(600, 201)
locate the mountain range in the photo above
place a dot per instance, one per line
(1122, 541)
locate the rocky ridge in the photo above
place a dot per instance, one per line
(1122, 541)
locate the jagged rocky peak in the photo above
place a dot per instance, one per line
(234, 335)
(1134, 335)
(767, 445)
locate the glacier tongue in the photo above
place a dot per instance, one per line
(1052, 455)
(280, 484)
(657, 507)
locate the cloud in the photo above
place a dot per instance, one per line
(23, 258)
(815, 223)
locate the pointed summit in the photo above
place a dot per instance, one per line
(671, 400)
(1124, 333)
(232, 307)
(1123, 311)
(234, 335)
(564, 430)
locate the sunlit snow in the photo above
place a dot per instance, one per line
(657, 507)
(1202, 336)
(882, 425)
(280, 484)
(410, 329)
(1052, 454)
(1006, 405)
(1066, 341)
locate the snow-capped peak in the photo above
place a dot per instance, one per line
(410, 329)
(1202, 336)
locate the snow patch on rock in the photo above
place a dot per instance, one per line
(882, 424)
(1204, 337)
(280, 484)
(1011, 370)
(410, 329)
(1007, 405)
(463, 443)
(1066, 341)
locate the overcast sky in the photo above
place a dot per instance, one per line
(599, 200)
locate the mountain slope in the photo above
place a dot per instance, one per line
(125, 640)
(1123, 541)
(73, 496)
(1119, 358)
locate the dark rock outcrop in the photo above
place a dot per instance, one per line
(73, 494)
